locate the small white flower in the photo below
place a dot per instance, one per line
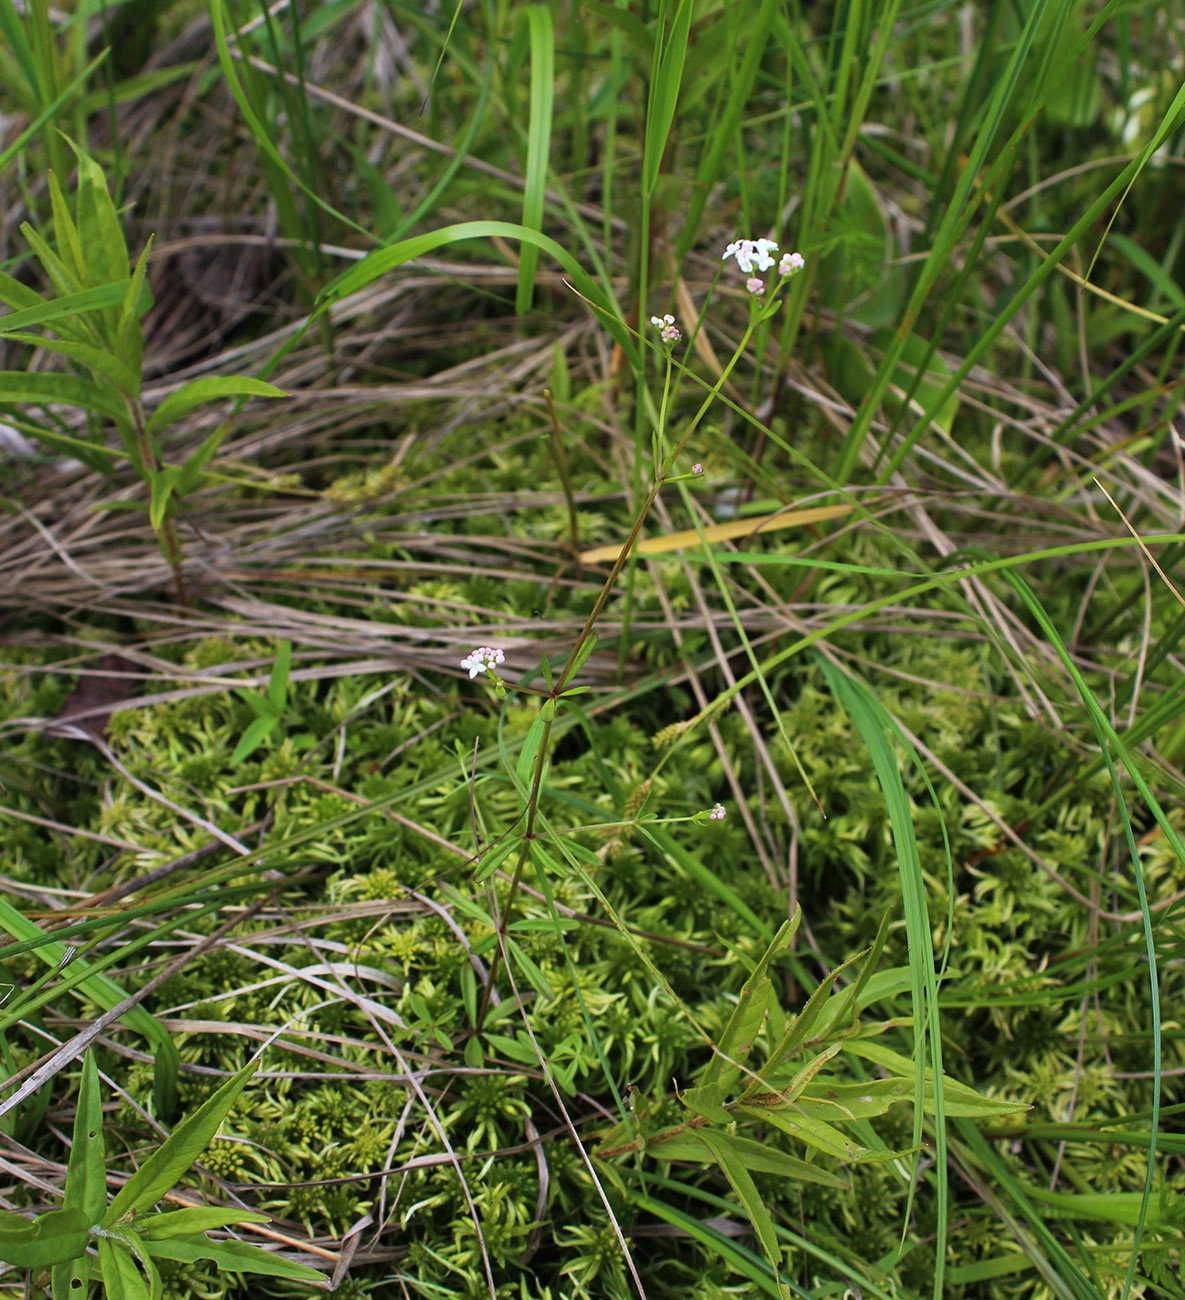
(764, 247)
(668, 330)
(791, 264)
(697, 468)
(751, 253)
(481, 659)
(717, 813)
(742, 250)
(755, 286)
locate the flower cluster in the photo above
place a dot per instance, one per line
(757, 255)
(717, 813)
(483, 660)
(667, 328)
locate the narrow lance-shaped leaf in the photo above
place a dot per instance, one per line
(97, 360)
(54, 311)
(211, 388)
(86, 1178)
(201, 1218)
(801, 1027)
(749, 1013)
(732, 1162)
(233, 1256)
(67, 236)
(121, 1275)
(189, 1139)
(98, 224)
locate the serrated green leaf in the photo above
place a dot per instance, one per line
(175, 1223)
(235, 1256)
(211, 388)
(52, 1238)
(161, 1171)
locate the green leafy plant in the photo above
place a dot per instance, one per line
(95, 314)
(795, 1089)
(269, 709)
(130, 1234)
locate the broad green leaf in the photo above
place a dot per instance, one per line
(121, 1275)
(86, 1178)
(277, 687)
(759, 1157)
(98, 224)
(211, 388)
(731, 1160)
(135, 1244)
(46, 389)
(748, 1016)
(162, 1170)
(96, 359)
(708, 1100)
(958, 1099)
(173, 1223)
(52, 1238)
(256, 733)
(234, 1256)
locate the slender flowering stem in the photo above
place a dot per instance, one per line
(662, 473)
